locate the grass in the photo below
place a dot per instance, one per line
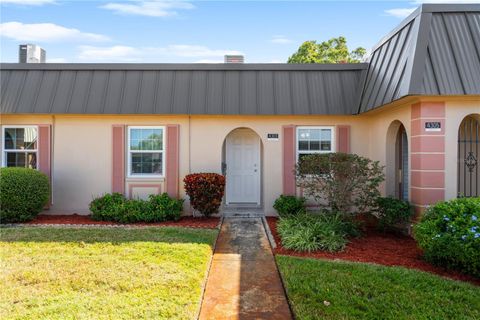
(100, 273)
(366, 291)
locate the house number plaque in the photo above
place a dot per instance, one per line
(272, 136)
(433, 126)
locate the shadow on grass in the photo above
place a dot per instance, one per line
(110, 235)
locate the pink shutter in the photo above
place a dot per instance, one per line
(288, 160)
(118, 159)
(172, 159)
(343, 139)
(45, 153)
(44, 149)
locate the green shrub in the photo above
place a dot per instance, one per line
(392, 213)
(310, 232)
(115, 207)
(164, 208)
(24, 193)
(289, 205)
(449, 234)
(340, 182)
(205, 191)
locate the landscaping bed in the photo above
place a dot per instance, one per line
(103, 273)
(376, 247)
(322, 289)
(76, 219)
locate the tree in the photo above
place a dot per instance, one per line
(334, 50)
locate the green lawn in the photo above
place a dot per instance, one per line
(117, 273)
(365, 291)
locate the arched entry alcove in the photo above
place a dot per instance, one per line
(397, 170)
(242, 167)
(468, 162)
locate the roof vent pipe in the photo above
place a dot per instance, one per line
(234, 59)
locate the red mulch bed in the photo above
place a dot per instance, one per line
(376, 247)
(189, 222)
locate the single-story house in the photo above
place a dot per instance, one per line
(139, 129)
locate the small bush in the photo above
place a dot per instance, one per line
(392, 213)
(289, 205)
(23, 194)
(165, 208)
(449, 234)
(115, 207)
(310, 232)
(205, 191)
(340, 182)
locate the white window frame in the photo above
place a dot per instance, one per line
(129, 152)
(332, 140)
(4, 151)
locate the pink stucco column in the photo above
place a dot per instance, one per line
(427, 154)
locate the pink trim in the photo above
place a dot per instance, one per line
(428, 179)
(143, 185)
(289, 187)
(418, 127)
(343, 139)
(433, 161)
(427, 196)
(172, 159)
(118, 158)
(44, 163)
(428, 110)
(428, 144)
(44, 150)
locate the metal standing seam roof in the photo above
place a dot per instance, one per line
(435, 51)
(232, 89)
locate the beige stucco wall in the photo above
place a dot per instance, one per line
(82, 147)
(456, 111)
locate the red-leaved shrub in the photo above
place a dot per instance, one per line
(205, 191)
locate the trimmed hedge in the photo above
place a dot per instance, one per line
(449, 234)
(24, 193)
(115, 207)
(205, 191)
(289, 205)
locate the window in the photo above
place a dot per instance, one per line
(20, 146)
(314, 140)
(146, 151)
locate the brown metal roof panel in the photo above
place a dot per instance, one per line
(131, 93)
(283, 94)
(181, 92)
(96, 97)
(215, 90)
(300, 98)
(265, 93)
(80, 92)
(29, 91)
(198, 97)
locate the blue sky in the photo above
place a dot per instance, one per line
(193, 31)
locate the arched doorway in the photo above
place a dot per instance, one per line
(397, 170)
(242, 168)
(468, 179)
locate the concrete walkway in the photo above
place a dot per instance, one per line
(243, 282)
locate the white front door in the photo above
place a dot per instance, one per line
(243, 167)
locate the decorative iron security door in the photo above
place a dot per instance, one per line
(468, 158)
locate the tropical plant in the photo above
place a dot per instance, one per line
(205, 191)
(392, 213)
(289, 205)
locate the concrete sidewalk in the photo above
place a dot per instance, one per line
(243, 282)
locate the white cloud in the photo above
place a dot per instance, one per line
(115, 53)
(279, 39)
(56, 60)
(405, 12)
(45, 32)
(155, 8)
(131, 54)
(28, 2)
(400, 12)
